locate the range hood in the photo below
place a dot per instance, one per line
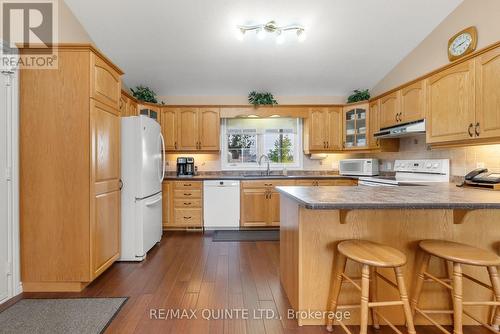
(402, 130)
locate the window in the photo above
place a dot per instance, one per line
(245, 140)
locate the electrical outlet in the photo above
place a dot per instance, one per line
(480, 165)
(388, 166)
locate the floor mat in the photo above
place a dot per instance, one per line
(260, 235)
(70, 315)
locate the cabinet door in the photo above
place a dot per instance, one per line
(105, 82)
(390, 109)
(167, 200)
(254, 207)
(132, 108)
(273, 204)
(412, 102)
(187, 135)
(168, 120)
(318, 129)
(123, 105)
(334, 142)
(488, 94)
(105, 204)
(374, 124)
(209, 129)
(450, 104)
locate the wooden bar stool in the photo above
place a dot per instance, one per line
(372, 256)
(458, 255)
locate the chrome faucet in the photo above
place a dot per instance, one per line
(268, 172)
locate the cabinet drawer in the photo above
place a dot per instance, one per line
(346, 182)
(188, 185)
(105, 83)
(187, 193)
(306, 183)
(187, 217)
(267, 183)
(188, 203)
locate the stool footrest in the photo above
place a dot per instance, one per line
(475, 280)
(441, 328)
(491, 328)
(438, 280)
(394, 328)
(385, 279)
(348, 279)
(388, 303)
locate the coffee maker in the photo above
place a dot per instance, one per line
(185, 166)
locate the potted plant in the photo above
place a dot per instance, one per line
(358, 96)
(261, 98)
(145, 94)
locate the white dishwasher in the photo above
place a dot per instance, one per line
(221, 204)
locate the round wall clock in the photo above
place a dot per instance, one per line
(462, 43)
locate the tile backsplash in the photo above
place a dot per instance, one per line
(463, 159)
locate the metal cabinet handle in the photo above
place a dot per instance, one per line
(268, 184)
(188, 203)
(120, 184)
(470, 130)
(187, 194)
(187, 184)
(175, 145)
(327, 144)
(187, 217)
(477, 129)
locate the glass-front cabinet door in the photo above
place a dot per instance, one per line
(356, 126)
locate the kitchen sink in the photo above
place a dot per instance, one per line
(264, 176)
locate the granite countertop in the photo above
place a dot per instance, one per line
(259, 177)
(424, 196)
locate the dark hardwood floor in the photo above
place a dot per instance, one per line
(189, 271)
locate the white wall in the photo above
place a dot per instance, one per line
(432, 52)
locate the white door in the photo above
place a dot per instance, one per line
(151, 175)
(5, 241)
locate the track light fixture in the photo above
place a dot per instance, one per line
(272, 28)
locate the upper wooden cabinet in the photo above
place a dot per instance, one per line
(128, 105)
(450, 104)
(168, 121)
(191, 129)
(412, 103)
(70, 212)
(209, 129)
(355, 119)
(323, 130)
(374, 124)
(390, 109)
(488, 95)
(105, 82)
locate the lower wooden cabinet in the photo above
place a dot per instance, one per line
(182, 204)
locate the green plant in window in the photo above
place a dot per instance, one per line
(264, 98)
(282, 152)
(145, 94)
(359, 95)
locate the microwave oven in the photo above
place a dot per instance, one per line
(361, 167)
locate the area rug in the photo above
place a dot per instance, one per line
(54, 316)
(259, 235)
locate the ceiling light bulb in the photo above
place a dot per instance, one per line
(301, 35)
(280, 39)
(261, 34)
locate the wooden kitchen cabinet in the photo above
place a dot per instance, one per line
(70, 203)
(128, 105)
(412, 102)
(355, 130)
(488, 95)
(182, 204)
(191, 129)
(260, 202)
(374, 124)
(167, 204)
(168, 121)
(450, 104)
(323, 130)
(390, 109)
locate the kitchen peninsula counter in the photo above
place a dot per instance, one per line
(313, 220)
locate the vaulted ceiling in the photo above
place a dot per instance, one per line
(188, 47)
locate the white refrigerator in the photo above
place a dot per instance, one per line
(143, 169)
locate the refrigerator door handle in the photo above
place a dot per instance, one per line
(163, 155)
(154, 202)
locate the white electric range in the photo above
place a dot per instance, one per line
(412, 173)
